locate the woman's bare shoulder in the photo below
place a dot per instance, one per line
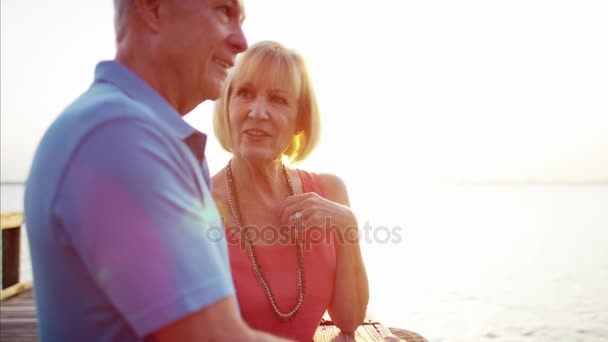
(334, 188)
(218, 188)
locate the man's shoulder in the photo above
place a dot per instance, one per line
(103, 110)
(100, 105)
(103, 102)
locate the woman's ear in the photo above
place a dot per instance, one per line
(299, 125)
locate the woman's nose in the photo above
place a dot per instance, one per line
(259, 109)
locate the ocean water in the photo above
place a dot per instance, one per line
(480, 262)
(493, 263)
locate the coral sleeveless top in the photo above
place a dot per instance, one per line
(279, 266)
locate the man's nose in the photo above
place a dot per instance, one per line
(237, 40)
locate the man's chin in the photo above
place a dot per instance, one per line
(214, 92)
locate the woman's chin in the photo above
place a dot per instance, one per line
(259, 157)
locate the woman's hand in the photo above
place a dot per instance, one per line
(315, 210)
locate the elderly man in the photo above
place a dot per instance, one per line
(121, 223)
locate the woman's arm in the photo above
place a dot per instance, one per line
(349, 303)
(351, 293)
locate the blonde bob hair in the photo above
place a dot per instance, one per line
(269, 61)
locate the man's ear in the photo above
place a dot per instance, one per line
(148, 12)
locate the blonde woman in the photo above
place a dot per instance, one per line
(293, 242)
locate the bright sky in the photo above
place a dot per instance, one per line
(414, 89)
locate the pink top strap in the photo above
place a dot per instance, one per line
(311, 182)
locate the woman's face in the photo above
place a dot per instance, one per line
(263, 114)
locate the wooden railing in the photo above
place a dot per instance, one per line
(11, 254)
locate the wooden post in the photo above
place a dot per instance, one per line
(11, 248)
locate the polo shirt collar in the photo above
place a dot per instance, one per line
(137, 89)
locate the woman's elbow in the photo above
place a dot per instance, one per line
(348, 329)
(351, 324)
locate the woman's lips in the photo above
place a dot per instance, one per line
(256, 133)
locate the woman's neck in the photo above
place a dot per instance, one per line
(265, 180)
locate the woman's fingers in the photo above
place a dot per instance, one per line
(311, 209)
(299, 197)
(292, 205)
(288, 213)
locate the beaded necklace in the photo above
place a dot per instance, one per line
(233, 201)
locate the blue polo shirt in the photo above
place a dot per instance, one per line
(124, 234)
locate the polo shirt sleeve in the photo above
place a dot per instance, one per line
(146, 230)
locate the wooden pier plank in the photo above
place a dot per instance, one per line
(18, 320)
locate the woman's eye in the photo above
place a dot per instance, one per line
(278, 99)
(244, 92)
